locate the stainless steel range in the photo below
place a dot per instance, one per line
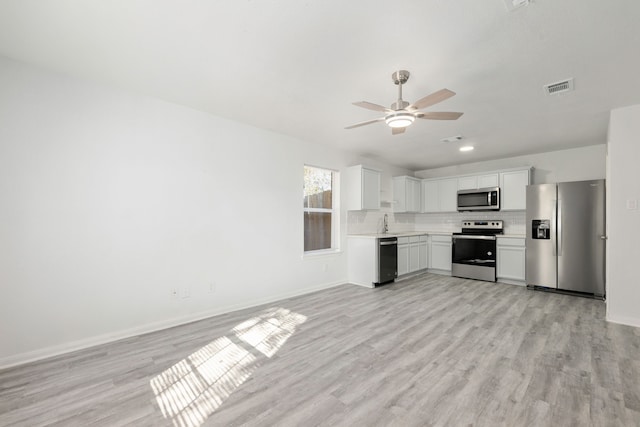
(473, 252)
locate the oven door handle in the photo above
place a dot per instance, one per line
(475, 237)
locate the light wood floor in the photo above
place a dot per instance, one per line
(431, 350)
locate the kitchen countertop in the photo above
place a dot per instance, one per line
(422, 233)
(401, 234)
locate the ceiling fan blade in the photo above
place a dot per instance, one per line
(432, 99)
(368, 122)
(439, 115)
(371, 106)
(397, 131)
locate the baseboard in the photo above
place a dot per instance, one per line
(511, 282)
(56, 350)
(440, 272)
(370, 285)
(622, 320)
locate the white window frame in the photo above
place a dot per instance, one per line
(335, 213)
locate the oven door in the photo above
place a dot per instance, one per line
(474, 257)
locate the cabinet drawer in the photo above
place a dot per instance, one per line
(439, 238)
(510, 241)
(414, 239)
(403, 240)
(423, 238)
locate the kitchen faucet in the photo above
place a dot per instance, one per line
(385, 224)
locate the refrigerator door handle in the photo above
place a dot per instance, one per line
(554, 223)
(559, 227)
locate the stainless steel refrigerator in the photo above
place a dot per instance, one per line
(566, 236)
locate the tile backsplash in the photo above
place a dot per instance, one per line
(362, 222)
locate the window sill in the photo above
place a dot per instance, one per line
(322, 253)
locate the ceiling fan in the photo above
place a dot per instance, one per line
(402, 114)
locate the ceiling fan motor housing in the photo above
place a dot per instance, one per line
(399, 105)
(400, 77)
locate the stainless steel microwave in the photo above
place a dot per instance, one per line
(482, 199)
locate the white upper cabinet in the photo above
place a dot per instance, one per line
(473, 182)
(363, 188)
(488, 180)
(448, 195)
(406, 194)
(439, 195)
(468, 182)
(513, 189)
(430, 202)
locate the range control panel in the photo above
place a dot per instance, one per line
(484, 225)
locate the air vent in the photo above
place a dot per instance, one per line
(455, 138)
(559, 87)
(515, 4)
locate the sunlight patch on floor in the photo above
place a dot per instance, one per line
(192, 389)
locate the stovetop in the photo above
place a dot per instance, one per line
(483, 227)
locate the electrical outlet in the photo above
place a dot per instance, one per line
(326, 267)
(212, 287)
(186, 293)
(174, 293)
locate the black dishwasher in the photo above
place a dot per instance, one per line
(387, 260)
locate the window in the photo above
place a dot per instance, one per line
(320, 210)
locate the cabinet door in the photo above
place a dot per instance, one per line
(370, 189)
(448, 194)
(488, 180)
(510, 262)
(441, 256)
(413, 195)
(467, 183)
(513, 187)
(414, 257)
(424, 256)
(403, 259)
(400, 194)
(430, 196)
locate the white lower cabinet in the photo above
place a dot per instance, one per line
(403, 256)
(412, 254)
(440, 253)
(510, 253)
(424, 253)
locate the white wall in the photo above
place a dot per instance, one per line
(623, 283)
(109, 200)
(576, 164)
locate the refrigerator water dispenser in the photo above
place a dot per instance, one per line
(540, 229)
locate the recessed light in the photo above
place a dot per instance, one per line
(466, 148)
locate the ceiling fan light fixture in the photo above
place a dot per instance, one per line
(399, 120)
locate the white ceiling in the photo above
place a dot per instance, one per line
(295, 66)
